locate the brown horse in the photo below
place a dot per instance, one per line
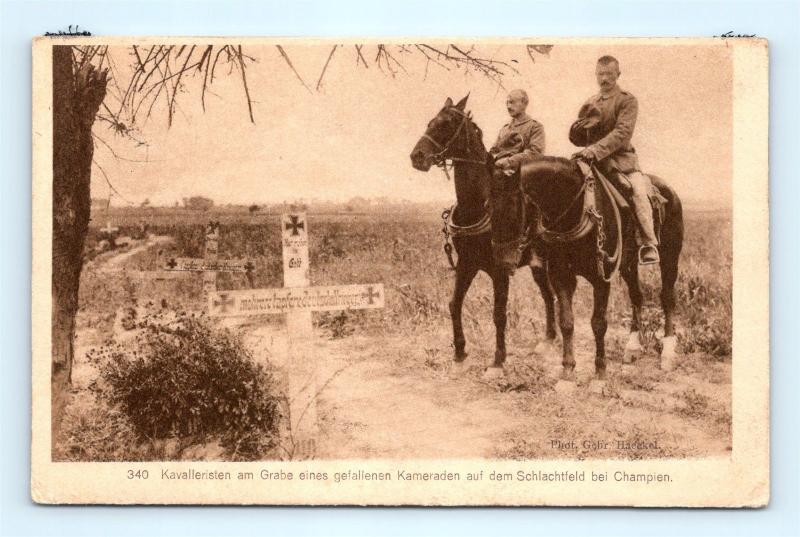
(451, 135)
(574, 220)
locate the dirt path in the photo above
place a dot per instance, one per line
(368, 408)
(371, 408)
(394, 397)
(117, 260)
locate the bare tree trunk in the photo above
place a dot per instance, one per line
(77, 95)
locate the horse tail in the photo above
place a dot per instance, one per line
(672, 226)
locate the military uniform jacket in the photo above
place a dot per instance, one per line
(521, 140)
(605, 125)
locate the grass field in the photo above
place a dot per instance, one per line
(401, 355)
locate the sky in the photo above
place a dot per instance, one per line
(353, 137)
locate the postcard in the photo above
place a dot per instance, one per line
(417, 271)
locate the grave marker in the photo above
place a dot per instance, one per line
(297, 299)
(109, 230)
(210, 265)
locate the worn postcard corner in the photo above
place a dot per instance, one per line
(400, 272)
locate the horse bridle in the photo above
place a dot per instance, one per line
(440, 159)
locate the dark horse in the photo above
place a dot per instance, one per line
(452, 135)
(549, 201)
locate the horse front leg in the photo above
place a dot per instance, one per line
(500, 284)
(564, 283)
(464, 276)
(546, 345)
(599, 326)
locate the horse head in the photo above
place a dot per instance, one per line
(443, 136)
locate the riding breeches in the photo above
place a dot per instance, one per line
(642, 207)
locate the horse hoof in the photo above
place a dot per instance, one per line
(668, 354)
(493, 373)
(633, 349)
(458, 368)
(597, 386)
(565, 387)
(567, 374)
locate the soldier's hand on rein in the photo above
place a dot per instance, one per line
(585, 154)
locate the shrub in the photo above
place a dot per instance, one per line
(337, 323)
(183, 377)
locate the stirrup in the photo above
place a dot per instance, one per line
(648, 248)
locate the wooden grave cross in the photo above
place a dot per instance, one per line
(210, 264)
(297, 299)
(109, 230)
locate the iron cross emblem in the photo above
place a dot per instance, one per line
(295, 225)
(224, 302)
(370, 294)
(172, 263)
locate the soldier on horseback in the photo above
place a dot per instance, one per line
(604, 128)
(520, 140)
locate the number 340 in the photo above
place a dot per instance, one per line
(138, 474)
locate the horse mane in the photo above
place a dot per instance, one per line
(551, 166)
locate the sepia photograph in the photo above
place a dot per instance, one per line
(479, 272)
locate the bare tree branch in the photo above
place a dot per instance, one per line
(325, 67)
(360, 57)
(105, 176)
(289, 62)
(244, 83)
(178, 81)
(115, 154)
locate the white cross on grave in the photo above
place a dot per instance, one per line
(109, 230)
(297, 299)
(210, 265)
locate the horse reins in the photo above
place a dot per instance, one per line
(590, 219)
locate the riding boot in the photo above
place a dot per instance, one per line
(648, 251)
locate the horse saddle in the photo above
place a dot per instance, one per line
(622, 190)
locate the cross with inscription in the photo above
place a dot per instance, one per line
(297, 299)
(295, 224)
(209, 264)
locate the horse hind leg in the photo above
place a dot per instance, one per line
(633, 348)
(464, 276)
(669, 274)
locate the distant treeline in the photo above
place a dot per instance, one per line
(191, 214)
